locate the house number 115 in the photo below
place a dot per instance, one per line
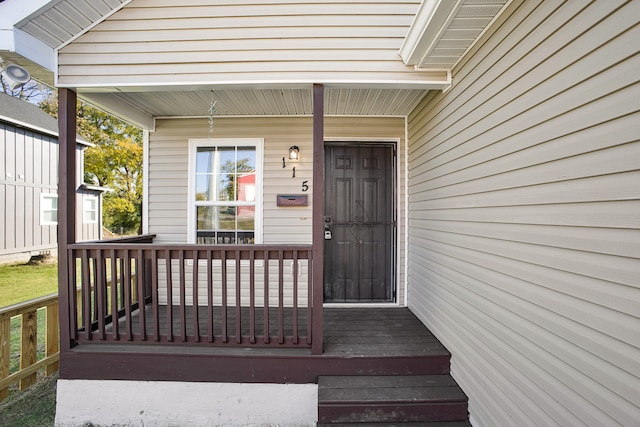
(305, 186)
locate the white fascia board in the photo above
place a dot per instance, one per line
(121, 109)
(6, 39)
(430, 22)
(35, 50)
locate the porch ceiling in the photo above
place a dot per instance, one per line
(265, 102)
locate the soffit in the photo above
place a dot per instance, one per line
(263, 102)
(444, 30)
(61, 21)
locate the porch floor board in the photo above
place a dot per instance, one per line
(357, 341)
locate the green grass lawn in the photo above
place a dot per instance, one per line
(23, 282)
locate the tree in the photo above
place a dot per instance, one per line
(115, 161)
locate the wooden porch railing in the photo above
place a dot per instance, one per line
(29, 365)
(232, 295)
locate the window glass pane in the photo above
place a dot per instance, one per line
(207, 187)
(206, 217)
(246, 217)
(227, 156)
(49, 208)
(227, 187)
(247, 187)
(50, 216)
(90, 210)
(246, 159)
(204, 160)
(227, 215)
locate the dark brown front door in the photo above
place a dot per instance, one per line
(359, 222)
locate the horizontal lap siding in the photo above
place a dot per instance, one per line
(168, 171)
(244, 41)
(524, 195)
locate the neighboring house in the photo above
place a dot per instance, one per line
(477, 162)
(29, 183)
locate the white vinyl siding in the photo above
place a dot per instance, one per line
(168, 171)
(524, 242)
(260, 41)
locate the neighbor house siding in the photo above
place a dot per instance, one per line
(524, 195)
(168, 170)
(27, 169)
(261, 41)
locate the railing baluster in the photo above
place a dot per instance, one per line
(115, 326)
(183, 314)
(238, 299)
(295, 298)
(223, 260)
(121, 292)
(100, 294)
(252, 297)
(194, 300)
(126, 283)
(86, 295)
(141, 278)
(154, 295)
(72, 287)
(94, 279)
(169, 296)
(280, 297)
(309, 298)
(210, 294)
(266, 296)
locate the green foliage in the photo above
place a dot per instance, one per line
(115, 161)
(121, 214)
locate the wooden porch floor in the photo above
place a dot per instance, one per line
(357, 341)
(347, 331)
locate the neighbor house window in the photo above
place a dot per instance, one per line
(48, 209)
(226, 191)
(90, 209)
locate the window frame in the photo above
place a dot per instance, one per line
(85, 199)
(194, 144)
(44, 196)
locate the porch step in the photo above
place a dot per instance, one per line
(401, 424)
(407, 424)
(391, 399)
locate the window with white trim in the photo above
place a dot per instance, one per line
(90, 209)
(225, 191)
(48, 209)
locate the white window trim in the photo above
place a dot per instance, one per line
(229, 142)
(87, 198)
(44, 196)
